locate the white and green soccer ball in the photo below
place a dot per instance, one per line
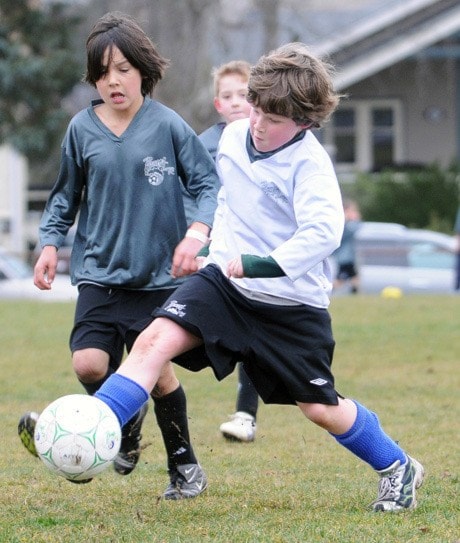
(77, 436)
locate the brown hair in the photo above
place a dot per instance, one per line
(292, 82)
(234, 67)
(116, 29)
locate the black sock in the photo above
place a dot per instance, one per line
(171, 413)
(247, 399)
(92, 388)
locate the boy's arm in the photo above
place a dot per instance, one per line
(200, 231)
(259, 266)
(253, 266)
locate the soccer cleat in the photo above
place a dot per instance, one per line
(130, 448)
(241, 427)
(397, 486)
(187, 481)
(26, 430)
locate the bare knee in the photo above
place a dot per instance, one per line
(90, 365)
(316, 412)
(336, 419)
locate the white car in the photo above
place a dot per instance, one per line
(16, 282)
(413, 260)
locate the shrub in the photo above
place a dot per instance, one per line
(421, 197)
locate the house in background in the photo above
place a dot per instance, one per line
(400, 69)
(398, 62)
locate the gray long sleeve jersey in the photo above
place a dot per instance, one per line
(128, 192)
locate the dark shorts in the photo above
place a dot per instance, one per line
(346, 271)
(104, 317)
(286, 350)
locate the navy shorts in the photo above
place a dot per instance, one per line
(104, 317)
(286, 349)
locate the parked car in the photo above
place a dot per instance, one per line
(16, 282)
(413, 260)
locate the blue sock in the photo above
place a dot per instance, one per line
(123, 395)
(367, 440)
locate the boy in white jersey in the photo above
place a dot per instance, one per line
(125, 160)
(262, 297)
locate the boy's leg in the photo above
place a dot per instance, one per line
(247, 398)
(187, 478)
(170, 407)
(400, 474)
(125, 397)
(148, 367)
(130, 448)
(242, 425)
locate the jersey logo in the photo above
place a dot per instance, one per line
(273, 192)
(155, 170)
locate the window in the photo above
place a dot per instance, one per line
(345, 136)
(365, 135)
(382, 137)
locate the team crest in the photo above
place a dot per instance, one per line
(155, 170)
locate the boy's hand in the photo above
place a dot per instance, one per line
(184, 261)
(45, 268)
(235, 268)
(200, 261)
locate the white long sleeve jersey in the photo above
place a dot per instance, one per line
(287, 206)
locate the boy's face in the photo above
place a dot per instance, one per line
(121, 83)
(231, 101)
(270, 131)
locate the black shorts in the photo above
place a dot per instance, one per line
(346, 271)
(286, 350)
(104, 317)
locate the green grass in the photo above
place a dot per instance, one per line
(293, 484)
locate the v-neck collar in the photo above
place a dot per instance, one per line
(106, 129)
(255, 155)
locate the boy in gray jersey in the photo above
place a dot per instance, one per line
(124, 162)
(263, 296)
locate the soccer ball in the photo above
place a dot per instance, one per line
(392, 292)
(77, 436)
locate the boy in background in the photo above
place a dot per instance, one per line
(230, 81)
(230, 100)
(345, 255)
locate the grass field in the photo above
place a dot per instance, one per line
(293, 484)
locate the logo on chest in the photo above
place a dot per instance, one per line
(271, 190)
(155, 170)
